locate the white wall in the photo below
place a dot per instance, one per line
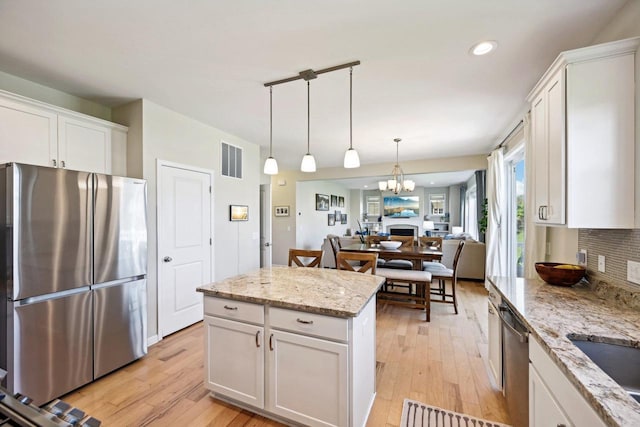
(159, 133)
(32, 90)
(312, 225)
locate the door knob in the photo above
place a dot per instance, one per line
(267, 244)
(167, 259)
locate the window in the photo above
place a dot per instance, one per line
(373, 206)
(471, 212)
(436, 202)
(514, 163)
(231, 159)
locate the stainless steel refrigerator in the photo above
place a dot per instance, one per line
(73, 264)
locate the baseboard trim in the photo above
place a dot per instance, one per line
(154, 339)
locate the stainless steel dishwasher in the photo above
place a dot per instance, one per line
(515, 366)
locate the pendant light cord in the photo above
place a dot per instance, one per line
(308, 116)
(351, 108)
(270, 120)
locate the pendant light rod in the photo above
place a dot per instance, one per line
(350, 108)
(312, 74)
(308, 116)
(270, 121)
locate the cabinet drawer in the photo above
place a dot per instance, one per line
(237, 310)
(333, 328)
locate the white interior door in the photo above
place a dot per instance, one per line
(184, 245)
(265, 225)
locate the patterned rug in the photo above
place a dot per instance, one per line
(417, 414)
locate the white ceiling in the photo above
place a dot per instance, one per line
(209, 60)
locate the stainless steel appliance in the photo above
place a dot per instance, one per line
(73, 277)
(515, 366)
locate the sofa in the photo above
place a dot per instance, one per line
(472, 259)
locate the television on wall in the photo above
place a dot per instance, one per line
(401, 206)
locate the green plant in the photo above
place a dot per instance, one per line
(482, 221)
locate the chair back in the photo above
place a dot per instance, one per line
(429, 242)
(334, 241)
(407, 241)
(374, 240)
(456, 258)
(367, 261)
(305, 257)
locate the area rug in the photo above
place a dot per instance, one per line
(418, 414)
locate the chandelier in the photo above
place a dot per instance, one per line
(397, 183)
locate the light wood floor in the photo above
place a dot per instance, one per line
(442, 363)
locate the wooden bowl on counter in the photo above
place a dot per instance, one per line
(560, 274)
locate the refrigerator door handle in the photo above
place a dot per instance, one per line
(117, 282)
(47, 297)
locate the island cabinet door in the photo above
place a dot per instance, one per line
(235, 364)
(308, 379)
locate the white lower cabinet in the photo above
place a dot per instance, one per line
(495, 344)
(235, 362)
(321, 398)
(553, 400)
(543, 408)
(311, 369)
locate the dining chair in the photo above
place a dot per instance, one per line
(360, 262)
(431, 242)
(402, 264)
(305, 257)
(334, 241)
(444, 275)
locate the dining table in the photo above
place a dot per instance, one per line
(415, 254)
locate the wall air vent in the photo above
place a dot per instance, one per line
(231, 159)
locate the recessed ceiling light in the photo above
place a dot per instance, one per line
(366, 186)
(431, 182)
(484, 47)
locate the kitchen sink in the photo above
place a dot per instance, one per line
(618, 361)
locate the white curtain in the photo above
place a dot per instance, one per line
(535, 236)
(496, 224)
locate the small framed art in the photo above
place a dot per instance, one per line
(322, 202)
(341, 202)
(281, 210)
(338, 216)
(344, 219)
(331, 219)
(238, 213)
(334, 200)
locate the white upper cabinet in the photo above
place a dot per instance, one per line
(27, 134)
(36, 133)
(84, 145)
(582, 131)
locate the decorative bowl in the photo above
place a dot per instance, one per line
(560, 274)
(390, 244)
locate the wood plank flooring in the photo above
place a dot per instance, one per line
(441, 363)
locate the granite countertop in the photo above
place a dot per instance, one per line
(330, 292)
(553, 312)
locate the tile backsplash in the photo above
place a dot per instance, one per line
(618, 247)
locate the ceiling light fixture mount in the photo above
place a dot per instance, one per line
(397, 183)
(351, 158)
(483, 47)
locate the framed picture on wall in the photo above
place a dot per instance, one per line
(331, 219)
(238, 213)
(334, 200)
(322, 202)
(281, 210)
(338, 216)
(341, 202)
(344, 219)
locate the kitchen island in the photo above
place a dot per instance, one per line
(552, 315)
(293, 344)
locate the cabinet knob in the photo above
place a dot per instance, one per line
(54, 162)
(271, 342)
(167, 259)
(62, 162)
(258, 339)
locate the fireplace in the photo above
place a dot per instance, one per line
(403, 230)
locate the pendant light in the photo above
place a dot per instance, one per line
(308, 162)
(270, 165)
(351, 158)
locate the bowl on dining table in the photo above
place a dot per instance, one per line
(390, 244)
